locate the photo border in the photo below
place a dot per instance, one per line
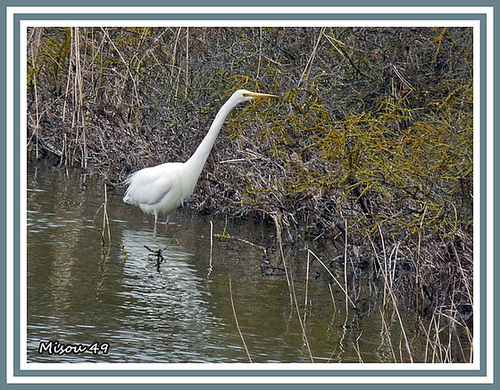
(37, 373)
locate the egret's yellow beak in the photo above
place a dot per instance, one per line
(257, 95)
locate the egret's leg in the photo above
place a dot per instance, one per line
(167, 221)
(156, 221)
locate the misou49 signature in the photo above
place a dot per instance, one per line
(56, 348)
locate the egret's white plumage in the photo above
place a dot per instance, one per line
(163, 188)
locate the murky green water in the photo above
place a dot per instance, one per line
(81, 292)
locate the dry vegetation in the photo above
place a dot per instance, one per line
(373, 132)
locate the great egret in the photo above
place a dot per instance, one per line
(163, 188)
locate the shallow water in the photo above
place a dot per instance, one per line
(82, 290)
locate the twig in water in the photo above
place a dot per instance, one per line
(158, 254)
(333, 298)
(333, 276)
(385, 335)
(291, 286)
(211, 248)
(105, 218)
(390, 292)
(236, 320)
(357, 349)
(211, 240)
(307, 279)
(345, 272)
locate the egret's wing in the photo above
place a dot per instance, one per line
(148, 186)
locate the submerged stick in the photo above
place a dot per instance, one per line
(236, 320)
(307, 279)
(291, 285)
(345, 273)
(390, 292)
(333, 276)
(105, 218)
(210, 266)
(158, 254)
(211, 242)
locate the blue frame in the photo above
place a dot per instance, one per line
(362, 372)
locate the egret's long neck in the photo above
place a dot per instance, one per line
(198, 159)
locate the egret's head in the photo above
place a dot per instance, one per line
(243, 95)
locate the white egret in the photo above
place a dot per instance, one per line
(163, 188)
